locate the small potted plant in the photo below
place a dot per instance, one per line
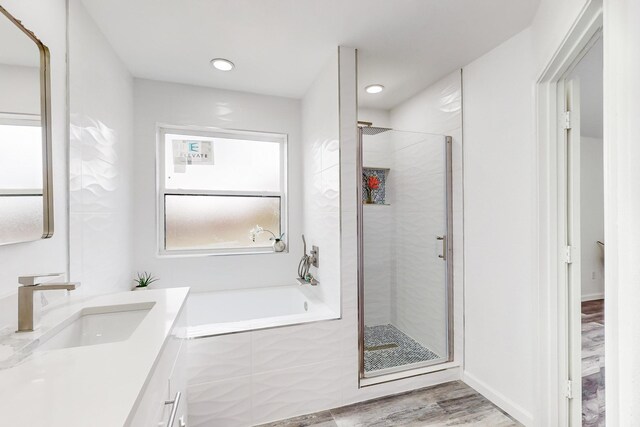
(143, 280)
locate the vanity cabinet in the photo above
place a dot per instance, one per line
(166, 384)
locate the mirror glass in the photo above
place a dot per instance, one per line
(24, 196)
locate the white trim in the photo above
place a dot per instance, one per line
(210, 132)
(17, 192)
(20, 119)
(593, 297)
(498, 399)
(552, 342)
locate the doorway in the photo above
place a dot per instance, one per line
(560, 239)
(404, 251)
(583, 138)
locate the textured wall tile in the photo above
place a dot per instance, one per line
(282, 348)
(222, 403)
(296, 391)
(105, 265)
(217, 358)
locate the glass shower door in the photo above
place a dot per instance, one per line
(404, 250)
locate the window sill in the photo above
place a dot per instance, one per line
(200, 254)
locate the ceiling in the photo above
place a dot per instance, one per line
(279, 46)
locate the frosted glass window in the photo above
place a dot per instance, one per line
(216, 186)
(21, 218)
(219, 222)
(236, 165)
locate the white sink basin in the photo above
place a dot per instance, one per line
(97, 325)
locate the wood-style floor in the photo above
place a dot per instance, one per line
(593, 392)
(450, 404)
(456, 404)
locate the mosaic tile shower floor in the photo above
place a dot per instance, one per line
(388, 347)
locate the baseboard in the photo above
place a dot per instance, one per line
(592, 297)
(498, 399)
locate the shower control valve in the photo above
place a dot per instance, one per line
(314, 258)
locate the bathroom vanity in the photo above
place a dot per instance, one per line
(112, 360)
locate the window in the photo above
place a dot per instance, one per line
(21, 192)
(215, 186)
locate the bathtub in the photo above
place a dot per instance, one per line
(225, 312)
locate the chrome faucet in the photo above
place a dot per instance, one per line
(31, 284)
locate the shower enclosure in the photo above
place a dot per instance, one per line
(404, 250)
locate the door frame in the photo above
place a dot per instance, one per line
(553, 284)
(420, 368)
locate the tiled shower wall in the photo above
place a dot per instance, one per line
(419, 210)
(321, 177)
(101, 159)
(405, 279)
(379, 263)
(435, 110)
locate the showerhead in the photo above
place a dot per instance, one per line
(372, 130)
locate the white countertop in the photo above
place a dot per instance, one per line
(89, 386)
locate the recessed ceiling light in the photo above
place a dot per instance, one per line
(222, 64)
(374, 88)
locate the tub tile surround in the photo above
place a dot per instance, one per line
(308, 368)
(289, 370)
(157, 102)
(321, 180)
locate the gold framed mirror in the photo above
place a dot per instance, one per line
(26, 196)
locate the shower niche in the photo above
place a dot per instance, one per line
(374, 185)
(405, 255)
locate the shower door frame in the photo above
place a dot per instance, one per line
(412, 369)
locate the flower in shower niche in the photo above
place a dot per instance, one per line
(373, 182)
(278, 244)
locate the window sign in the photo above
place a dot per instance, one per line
(192, 152)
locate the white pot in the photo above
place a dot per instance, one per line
(279, 245)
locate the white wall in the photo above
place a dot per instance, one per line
(47, 19)
(176, 104)
(20, 88)
(591, 218)
(622, 210)
(500, 226)
(260, 376)
(502, 280)
(101, 159)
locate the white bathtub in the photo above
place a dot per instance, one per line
(224, 312)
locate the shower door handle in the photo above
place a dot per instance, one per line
(443, 255)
